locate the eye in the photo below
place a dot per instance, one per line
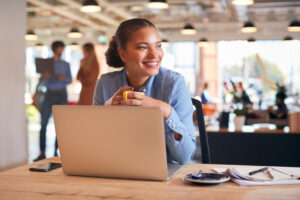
(142, 47)
(158, 46)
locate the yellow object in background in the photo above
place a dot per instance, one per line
(125, 93)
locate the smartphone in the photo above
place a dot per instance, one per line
(45, 167)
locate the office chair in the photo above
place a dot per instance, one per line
(202, 131)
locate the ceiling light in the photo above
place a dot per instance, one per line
(39, 46)
(287, 39)
(90, 6)
(242, 2)
(158, 4)
(188, 29)
(30, 35)
(294, 26)
(74, 46)
(74, 33)
(248, 28)
(251, 40)
(165, 43)
(203, 42)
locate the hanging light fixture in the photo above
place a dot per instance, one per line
(74, 33)
(248, 28)
(165, 43)
(294, 26)
(188, 29)
(75, 46)
(39, 46)
(242, 2)
(203, 42)
(251, 40)
(158, 4)
(30, 35)
(287, 39)
(90, 6)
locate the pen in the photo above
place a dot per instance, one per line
(270, 174)
(258, 171)
(279, 170)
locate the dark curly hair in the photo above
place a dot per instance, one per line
(121, 37)
(57, 44)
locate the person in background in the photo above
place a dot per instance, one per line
(88, 74)
(205, 97)
(136, 47)
(281, 111)
(241, 96)
(56, 92)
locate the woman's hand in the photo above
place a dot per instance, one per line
(117, 97)
(137, 99)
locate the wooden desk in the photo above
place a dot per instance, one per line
(20, 183)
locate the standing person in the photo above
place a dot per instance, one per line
(88, 74)
(56, 92)
(136, 47)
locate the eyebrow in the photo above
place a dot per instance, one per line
(147, 43)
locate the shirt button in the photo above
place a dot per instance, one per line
(144, 90)
(170, 121)
(173, 126)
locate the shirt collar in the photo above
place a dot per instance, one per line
(145, 88)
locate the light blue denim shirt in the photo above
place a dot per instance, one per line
(170, 87)
(60, 68)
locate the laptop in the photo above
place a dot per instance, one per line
(112, 141)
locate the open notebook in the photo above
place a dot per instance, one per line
(273, 176)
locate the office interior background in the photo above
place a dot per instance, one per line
(215, 49)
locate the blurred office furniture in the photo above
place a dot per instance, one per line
(277, 149)
(294, 121)
(262, 116)
(202, 131)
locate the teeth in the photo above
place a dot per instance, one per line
(151, 63)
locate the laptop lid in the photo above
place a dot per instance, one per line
(111, 141)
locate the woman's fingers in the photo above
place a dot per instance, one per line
(136, 95)
(132, 102)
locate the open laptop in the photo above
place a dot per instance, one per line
(112, 141)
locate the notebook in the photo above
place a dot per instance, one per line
(44, 65)
(112, 141)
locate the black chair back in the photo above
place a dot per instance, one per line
(202, 131)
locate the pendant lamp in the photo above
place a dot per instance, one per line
(74, 33)
(165, 43)
(294, 26)
(30, 35)
(242, 2)
(203, 42)
(90, 6)
(75, 46)
(248, 28)
(287, 39)
(188, 29)
(158, 4)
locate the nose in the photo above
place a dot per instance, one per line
(152, 53)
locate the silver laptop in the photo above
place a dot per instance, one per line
(112, 141)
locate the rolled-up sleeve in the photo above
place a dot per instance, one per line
(181, 122)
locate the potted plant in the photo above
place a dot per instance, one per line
(240, 117)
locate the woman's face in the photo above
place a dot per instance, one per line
(143, 54)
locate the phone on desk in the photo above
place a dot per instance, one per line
(45, 167)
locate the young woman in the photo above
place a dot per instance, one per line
(136, 47)
(88, 74)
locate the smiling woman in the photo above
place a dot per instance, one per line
(136, 47)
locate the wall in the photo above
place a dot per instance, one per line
(13, 131)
